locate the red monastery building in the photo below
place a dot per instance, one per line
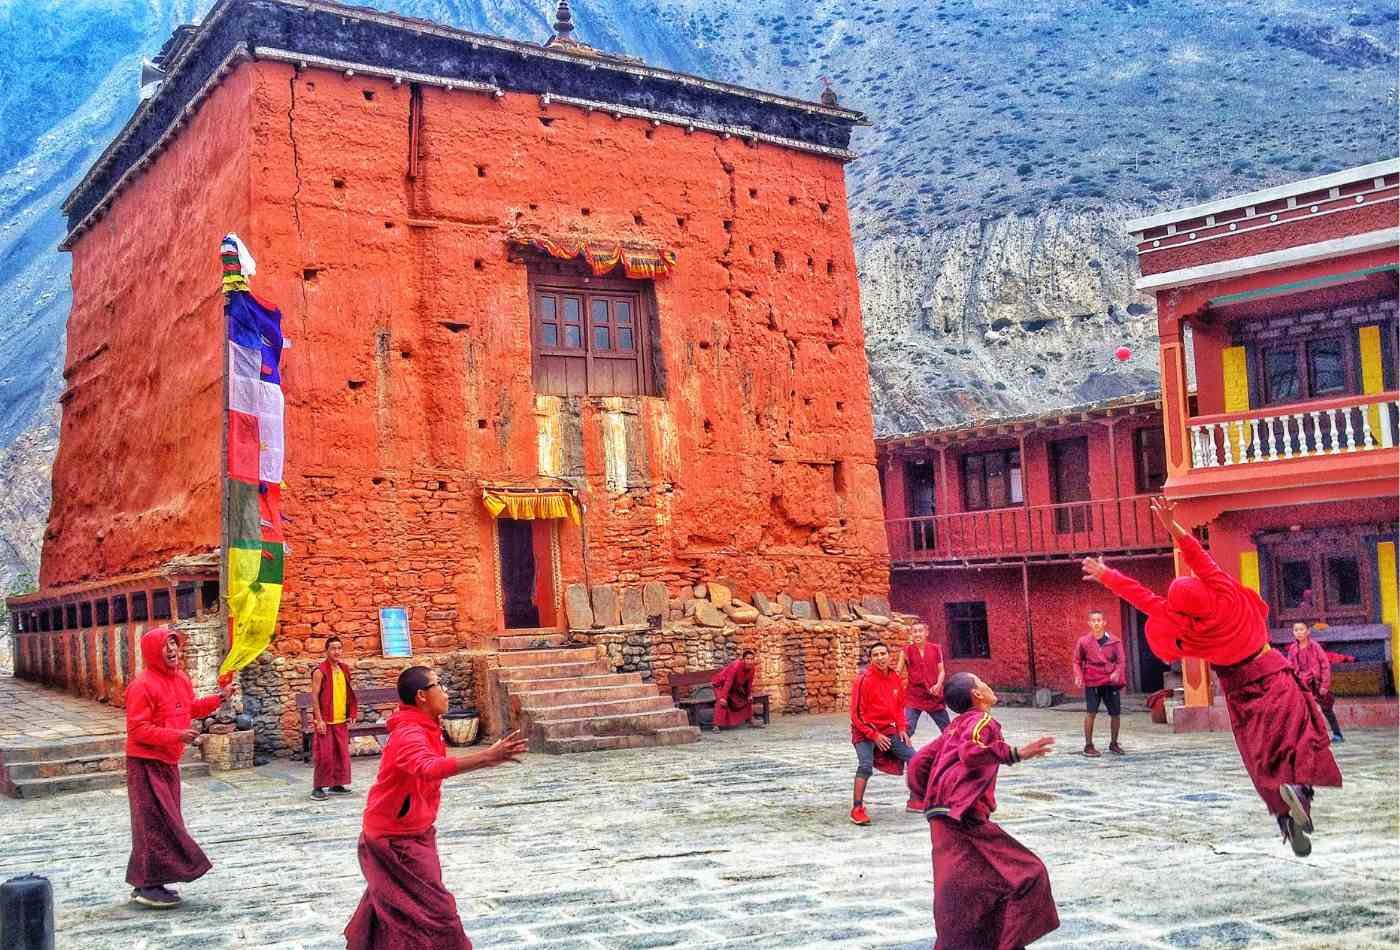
(988, 521)
(1288, 458)
(568, 336)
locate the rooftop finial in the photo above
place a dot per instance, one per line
(563, 20)
(828, 94)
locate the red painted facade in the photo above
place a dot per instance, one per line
(1017, 565)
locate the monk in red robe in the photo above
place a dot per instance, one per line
(160, 705)
(877, 726)
(734, 693)
(989, 891)
(1314, 666)
(921, 665)
(405, 905)
(333, 708)
(1279, 730)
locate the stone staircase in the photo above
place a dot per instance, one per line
(38, 770)
(565, 699)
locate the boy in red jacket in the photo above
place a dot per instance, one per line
(878, 729)
(160, 704)
(989, 891)
(405, 905)
(1100, 668)
(1278, 728)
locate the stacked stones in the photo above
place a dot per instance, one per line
(809, 647)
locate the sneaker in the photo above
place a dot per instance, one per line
(1116, 749)
(1299, 805)
(1091, 752)
(341, 790)
(1295, 836)
(914, 805)
(1338, 737)
(157, 897)
(319, 794)
(858, 815)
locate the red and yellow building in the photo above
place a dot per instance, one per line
(1285, 299)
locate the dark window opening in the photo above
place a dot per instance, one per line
(209, 592)
(119, 609)
(920, 502)
(1150, 460)
(1325, 575)
(100, 607)
(44, 621)
(85, 614)
(992, 480)
(138, 607)
(70, 616)
(1343, 581)
(184, 601)
(56, 618)
(1312, 369)
(967, 630)
(160, 604)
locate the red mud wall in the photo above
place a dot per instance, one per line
(409, 378)
(136, 479)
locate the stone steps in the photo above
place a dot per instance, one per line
(566, 699)
(540, 640)
(44, 787)
(74, 765)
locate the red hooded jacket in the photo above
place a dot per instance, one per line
(1211, 616)
(407, 791)
(160, 703)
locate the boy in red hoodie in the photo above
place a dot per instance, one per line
(160, 705)
(989, 891)
(1278, 729)
(405, 905)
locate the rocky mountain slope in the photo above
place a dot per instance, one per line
(1009, 142)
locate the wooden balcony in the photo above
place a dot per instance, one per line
(1327, 427)
(1039, 533)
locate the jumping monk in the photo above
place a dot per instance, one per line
(1314, 666)
(877, 727)
(1278, 728)
(922, 660)
(333, 706)
(734, 693)
(160, 704)
(405, 905)
(989, 891)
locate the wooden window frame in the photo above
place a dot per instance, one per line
(1006, 455)
(1316, 551)
(575, 281)
(1303, 367)
(1142, 474)
(984, 639)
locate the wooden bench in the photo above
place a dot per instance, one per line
(1368, 643)
(684, 685)
(366, 699)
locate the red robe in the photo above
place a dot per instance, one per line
(733, 689)
(989, 891)
(1313, 666)
(160, 705)
(1279, 730)
(405, 905)
(330, 753)
(877, 709)
(923, 665)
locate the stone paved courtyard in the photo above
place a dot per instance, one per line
(742, 841)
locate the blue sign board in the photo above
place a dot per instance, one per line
(393, 631)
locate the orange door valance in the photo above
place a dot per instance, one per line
(603, 256)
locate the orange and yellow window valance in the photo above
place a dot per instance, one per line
(529, 504)
(638, 263)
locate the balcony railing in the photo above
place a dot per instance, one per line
(1299, 430)
(1039, 531)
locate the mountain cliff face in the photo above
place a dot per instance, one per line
(1008, 144)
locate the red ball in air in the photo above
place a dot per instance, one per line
(1123, 353)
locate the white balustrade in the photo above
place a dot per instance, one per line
(1298, 434)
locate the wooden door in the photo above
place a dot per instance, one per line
(1069, 477)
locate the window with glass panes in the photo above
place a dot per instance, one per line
(1149, 459)
(1319, 575)
(992, 480)
(589, 339)
(967, 630)
(1307, 369)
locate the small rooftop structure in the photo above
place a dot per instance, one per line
(1130, 404)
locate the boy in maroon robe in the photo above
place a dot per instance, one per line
(405, 905)
(877, 727)
(333, 708)
(921, 662)
(1278, 729)
(1100, 668)
(989, 891)
(1314, 667)
(734, 693)
(160, 704)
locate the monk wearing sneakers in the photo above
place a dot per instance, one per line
(1279, 730)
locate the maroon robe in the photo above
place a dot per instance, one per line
(923, 665)
(162, 851)
(405, 905)
(989, 891)
(330, 753)
(733, 691)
